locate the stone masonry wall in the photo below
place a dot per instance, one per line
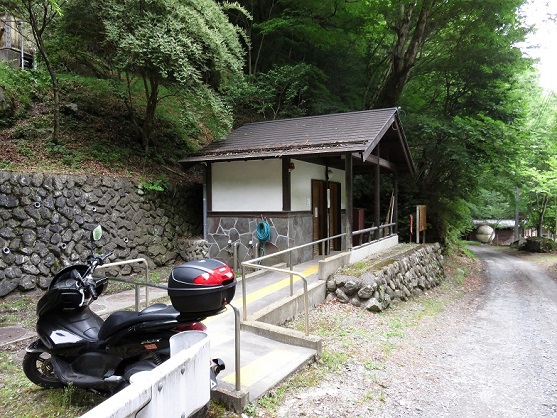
(225, 231)
(391, 280)
(45, 222)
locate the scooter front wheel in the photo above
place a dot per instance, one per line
(38, 369)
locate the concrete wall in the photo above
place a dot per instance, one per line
(238, 186)
(177, 388)
(45, 222)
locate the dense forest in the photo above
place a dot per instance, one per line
(152, 80)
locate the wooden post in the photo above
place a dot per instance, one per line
(395, 217)
(377, 194)
(348, 177)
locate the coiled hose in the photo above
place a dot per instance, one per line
(263, 235)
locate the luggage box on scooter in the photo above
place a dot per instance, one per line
(201, 287)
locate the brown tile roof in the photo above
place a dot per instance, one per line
(333, 134)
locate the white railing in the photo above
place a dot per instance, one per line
(136, 283)
(177, 388)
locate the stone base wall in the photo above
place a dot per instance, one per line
(391, 280)
(45, 222)
(288, 230)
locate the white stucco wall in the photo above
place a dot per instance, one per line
(301, 178)
(240, 186)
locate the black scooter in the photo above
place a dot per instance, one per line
(77, 347)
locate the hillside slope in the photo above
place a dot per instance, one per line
(97, 135)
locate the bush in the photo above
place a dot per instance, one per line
(539, 245)
(18, 90)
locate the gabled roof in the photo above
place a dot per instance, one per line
(328, 135)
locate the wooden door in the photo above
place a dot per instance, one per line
(319, 211)
(326, 208)
(334, 215)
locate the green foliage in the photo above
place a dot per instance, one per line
(20, 90)
(492, 204)
(283, 91)
(333, 360)
(159, 184)
(182, 41)
(189, 43)
(326, 35)
(477, 124)
(113, 157)
(197, 116)
(538, 172)
(462, 163)
(188, 47)
(66, 156)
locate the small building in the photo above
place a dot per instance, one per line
(297, 175)
(16, 46)
(503, 230)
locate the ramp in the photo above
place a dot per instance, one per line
(268, 353)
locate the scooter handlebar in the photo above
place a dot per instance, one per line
(91, 289)
(86, 283)
(97, 260)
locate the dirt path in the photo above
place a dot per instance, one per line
(487, 348)
(497, 360)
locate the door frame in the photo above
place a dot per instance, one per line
(326, 208)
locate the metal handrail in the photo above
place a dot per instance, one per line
(237, 346)
(253, 263)
(246, 263)
(373, 229)
(137, 284)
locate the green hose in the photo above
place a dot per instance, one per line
(263, 235)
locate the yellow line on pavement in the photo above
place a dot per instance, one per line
(258, 369)
(261, 293)
(265, 291)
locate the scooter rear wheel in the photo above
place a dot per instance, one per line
(38, 369)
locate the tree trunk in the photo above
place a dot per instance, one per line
(409, 41)
(543, 209)
(151, 86)
(38, 26)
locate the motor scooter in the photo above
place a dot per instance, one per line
(76, 346)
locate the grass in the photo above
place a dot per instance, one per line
(19, 310)
(21, 398)
(333, 360)
(358, 268)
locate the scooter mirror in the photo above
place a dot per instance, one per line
(96, 233)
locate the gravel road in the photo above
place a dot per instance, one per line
(491, 351)
(498, 358)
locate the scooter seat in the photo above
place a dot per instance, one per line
(120, 320)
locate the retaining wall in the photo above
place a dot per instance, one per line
(46, 219)
(390, 280)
